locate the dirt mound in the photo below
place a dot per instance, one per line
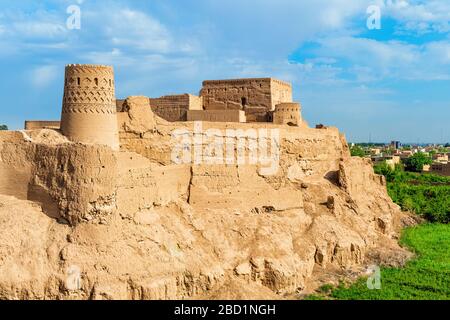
(45, 136)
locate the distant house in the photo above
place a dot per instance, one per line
(440, 158)
(441, 169)
(375, 151)
(391, 161)
(405, 154)
(396, 145)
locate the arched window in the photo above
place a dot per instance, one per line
(79, 81)
(96, 81)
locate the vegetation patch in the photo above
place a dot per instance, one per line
(427, 277)
(427, 195)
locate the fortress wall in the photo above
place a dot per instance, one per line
(257, 97)
(281, 92)
(216, 115)
(241, 188)
(307, 155)
(250, 95)
(15, 164)
(122, 117)
(86, 183)
(80, 179)
(137, 117)
(89, 105)
(35, 125)
(174, 108)
(119, 105)
(312, 149)
(143, 184)
(195, 102)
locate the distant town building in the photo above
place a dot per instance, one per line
(375, 151)
(440, 158)
(405, 154)
(396, 145)
(441, 169)
(391, 161)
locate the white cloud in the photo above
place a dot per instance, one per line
(43, 76)
(370, 60)
(39, 29)
(439, 52)
(25, 34)
(39, 25)
(420, 16)
(137, 30)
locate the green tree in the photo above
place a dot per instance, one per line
(391, 174)
(3, 127)
(416, 162)
(357, 151)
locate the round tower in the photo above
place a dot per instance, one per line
(89, 105)
(288, 113)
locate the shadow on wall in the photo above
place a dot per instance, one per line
(49, 206)
(16, 182)
(333, 177)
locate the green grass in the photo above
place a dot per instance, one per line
(427, 277)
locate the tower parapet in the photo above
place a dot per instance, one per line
(89, 105)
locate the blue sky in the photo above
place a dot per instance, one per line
(392, 83)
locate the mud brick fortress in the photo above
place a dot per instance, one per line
(257, 97)
(89, 90)
(239, 100)
(100, 191)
